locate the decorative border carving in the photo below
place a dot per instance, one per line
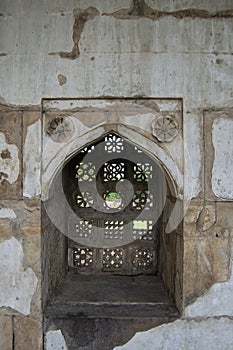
(60, 129)
(165, 128)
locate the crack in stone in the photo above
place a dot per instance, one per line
(80, 18)
(139, 8)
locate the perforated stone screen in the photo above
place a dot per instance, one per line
(123, 203)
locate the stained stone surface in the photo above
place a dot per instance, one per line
(32, 154)
(17, 284)
(112, 296)
(27, 333)
(10, 154)
(55, 340)
(218, 145)
(178, 53)
(190, 334)
(6, 333)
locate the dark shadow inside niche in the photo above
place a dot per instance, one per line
(114, 259)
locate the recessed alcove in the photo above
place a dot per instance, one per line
(114, 258)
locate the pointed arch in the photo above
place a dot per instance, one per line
(153, 149)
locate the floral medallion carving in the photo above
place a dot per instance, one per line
(165, 128)
(60, 129)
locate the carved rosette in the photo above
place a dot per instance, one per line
(165, 128)
(60, 129)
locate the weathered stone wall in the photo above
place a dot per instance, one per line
(53, 257)
(20, 225)
(121, 48)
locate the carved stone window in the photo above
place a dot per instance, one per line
(112, 259)
(108, 186)
(112, 199)
(82, 257)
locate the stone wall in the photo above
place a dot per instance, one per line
(20, 241)
(121, 49)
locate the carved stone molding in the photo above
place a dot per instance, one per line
(60, 129)
(165, 128)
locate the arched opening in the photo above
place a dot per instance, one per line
(109, 253)
(118, 194)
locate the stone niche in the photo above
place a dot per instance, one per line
(112, 192)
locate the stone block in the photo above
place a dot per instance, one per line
(27, 333)
(20, 217)
(192, 213)
(193, 154)
(32, 222)
(10, 154)
(213, 219)
(17, 283)
(224, 214)
(218, 160)
(7, 219)
(6, 333)
(32, 252)
(207, 217)
(31, 153)
(36, 303)
(32, 259)
(200, 220)
(206, 261)
(191, 219)
(179, 272)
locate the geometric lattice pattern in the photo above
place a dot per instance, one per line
(142, 200)
(113, 144)
(82, 257)
(137, 149)
(88, 149)
(143, 172)
(112, 258)
(113, 171)
(85, 200)
(101, 202)
(113, 229)
(85, 171)
(84, 228)
(143, 258)
(142, 229)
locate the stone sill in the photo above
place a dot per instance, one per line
(111, 297)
